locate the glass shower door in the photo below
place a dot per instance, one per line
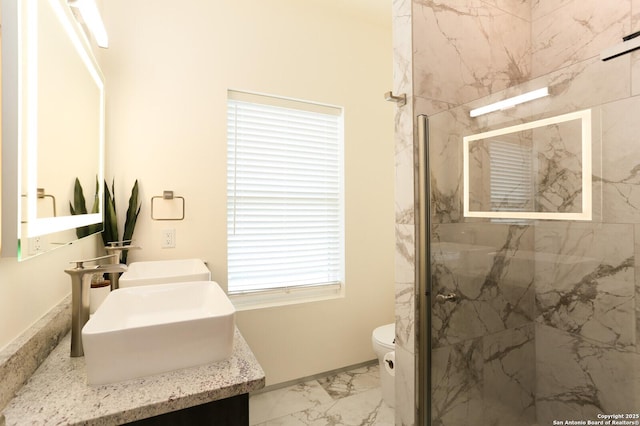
(525, 322)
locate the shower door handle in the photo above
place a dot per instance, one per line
(451, 297)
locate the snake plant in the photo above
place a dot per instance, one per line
(110, 229)
(79, 207)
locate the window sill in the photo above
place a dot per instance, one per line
(284, 297)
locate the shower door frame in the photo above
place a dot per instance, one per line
(422, 196)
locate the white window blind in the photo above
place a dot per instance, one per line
(284, 194)
(511, 177)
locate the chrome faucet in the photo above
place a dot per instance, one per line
(115, 248)
(80, 296)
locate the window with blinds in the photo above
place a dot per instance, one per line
(284, 194)
(511, 176)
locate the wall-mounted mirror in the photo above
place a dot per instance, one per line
(536, 170)
(53, 111)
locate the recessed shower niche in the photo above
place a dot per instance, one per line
(536, 170)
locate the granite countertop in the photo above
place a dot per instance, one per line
(58, 393)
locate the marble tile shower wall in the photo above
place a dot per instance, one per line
(467, 50)
(548, 322)
(483, 364)
(404, 217)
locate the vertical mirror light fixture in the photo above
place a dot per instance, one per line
(91, 16)
(510, 102)
(59, 27)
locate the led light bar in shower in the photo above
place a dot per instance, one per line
(511, 102)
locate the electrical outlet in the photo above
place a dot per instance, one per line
(168, 238)
(35, 246)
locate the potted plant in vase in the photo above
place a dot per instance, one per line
(100, 287)
(110, 218)
(110, 231)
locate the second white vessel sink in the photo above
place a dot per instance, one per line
(164, 271)
(140, 331)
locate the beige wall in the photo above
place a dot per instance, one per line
(168, 68)
(29, 289)
(32, 287)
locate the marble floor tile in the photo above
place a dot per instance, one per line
(353, 397)
(351, 382)
(366, 408)
(281, 402)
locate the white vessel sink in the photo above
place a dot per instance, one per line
(147, 330)
(164, 271)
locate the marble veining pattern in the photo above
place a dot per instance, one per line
(431, 107)
(403, 68)
(635, 73)
(619, 180)
(351, 382)
(457, 383)
(446, 131)
(635, 14)
(572, 89)
(58, 394)
(558, 159)
(404, 192)
(466, 50)
(509, 377)
(279, 403)
(635, 56)
(542, 8)
(573, 86)
(578, 378)
(349, 398)
(405, 290)
(580, 29)
(519, 8)
(637, 286)
(402, 51)
(405, 386)
(403, 127)
(585, 280)
(492, 280)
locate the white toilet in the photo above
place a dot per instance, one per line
(383, 345)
